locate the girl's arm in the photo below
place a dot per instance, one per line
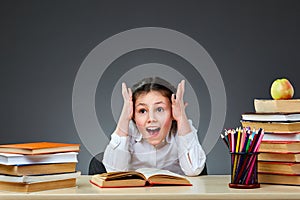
(127, 112)
(116, 155)
(178, 110)
(192, 158)
(191, 155)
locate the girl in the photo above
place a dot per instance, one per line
(153, 131)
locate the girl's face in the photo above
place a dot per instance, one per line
(153, 116)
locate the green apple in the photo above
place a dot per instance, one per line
(282, 89)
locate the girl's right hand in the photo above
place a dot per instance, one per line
(127, 111)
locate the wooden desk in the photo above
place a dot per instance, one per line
(204, 187)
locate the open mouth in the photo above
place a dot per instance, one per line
(153, 131)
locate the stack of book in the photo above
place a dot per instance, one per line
(279, 158)
(31, 167)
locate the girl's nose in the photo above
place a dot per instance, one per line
(151, 116)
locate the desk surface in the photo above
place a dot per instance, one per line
(204, 187)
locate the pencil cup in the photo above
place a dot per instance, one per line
(244, 170)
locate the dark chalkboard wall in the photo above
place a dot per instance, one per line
(43, 44)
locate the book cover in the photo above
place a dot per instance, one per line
(280, 157)
(139, 178)
(277, 106)
(278, 167)
(271, 117)
(280, 146)
(20, 159)
(39, 148)
(278, 127)
(37, 169)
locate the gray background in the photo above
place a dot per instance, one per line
(43, 43)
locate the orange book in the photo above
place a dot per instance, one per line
(38, 148)
(139, 178)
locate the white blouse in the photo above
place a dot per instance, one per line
(179, 154)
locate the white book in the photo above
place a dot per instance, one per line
(271, 117)
(39, 178)
(281, 137)
(20, 159)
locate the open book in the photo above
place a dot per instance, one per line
(140, 177)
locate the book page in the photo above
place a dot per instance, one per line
(153, 171)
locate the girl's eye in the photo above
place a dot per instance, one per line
(160, 109)
(142, 111)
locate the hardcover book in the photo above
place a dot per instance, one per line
(277, 106)
(20, 159)
(280, 146)
(139, 178)
(277, 127)
(278, 167)
(38, 186)
(38, 178)
(37, 169)
(38, 148)
(279, 157)
(271, 117)
(36, 183)
(281, 136)
(280, 179)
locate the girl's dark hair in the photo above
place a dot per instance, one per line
(158, 84)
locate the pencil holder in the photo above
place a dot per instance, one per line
(244, 170)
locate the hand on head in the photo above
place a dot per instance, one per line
(127, 111)
(178, 105)
(178, 110)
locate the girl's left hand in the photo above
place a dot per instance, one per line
(178, 105)
(178, 110)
